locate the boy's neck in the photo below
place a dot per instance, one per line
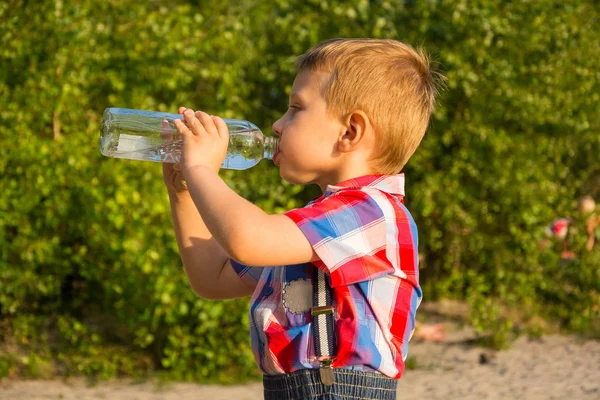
(347, 172)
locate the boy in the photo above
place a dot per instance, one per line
(358, 110)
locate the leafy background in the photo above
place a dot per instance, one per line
(90, 279)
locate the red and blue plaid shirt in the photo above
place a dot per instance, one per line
(367, 243)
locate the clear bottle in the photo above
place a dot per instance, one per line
(142, 135)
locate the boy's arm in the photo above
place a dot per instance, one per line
(245, 232)
(206, 264)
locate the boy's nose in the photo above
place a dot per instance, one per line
(277, 127)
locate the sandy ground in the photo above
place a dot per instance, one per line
(553, 367)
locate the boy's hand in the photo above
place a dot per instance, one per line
(173, 178)
(205, 140)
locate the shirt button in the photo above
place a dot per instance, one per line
(268, 291)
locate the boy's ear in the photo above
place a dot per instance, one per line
(357, 123)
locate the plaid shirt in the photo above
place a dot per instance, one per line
(367, 243)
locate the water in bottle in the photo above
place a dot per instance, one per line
(143, 135)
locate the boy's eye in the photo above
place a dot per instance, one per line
(293, 107)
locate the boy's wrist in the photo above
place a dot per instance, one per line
(199, 169)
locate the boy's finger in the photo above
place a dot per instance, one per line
(181, 110)
(207, 122)
(166, 131)
(182, 128)
(193, 123)
(221, 126)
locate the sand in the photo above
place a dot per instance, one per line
(551, 367)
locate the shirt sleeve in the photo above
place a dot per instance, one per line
(248, 274)
(358, 235)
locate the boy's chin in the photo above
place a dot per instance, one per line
(290, 177)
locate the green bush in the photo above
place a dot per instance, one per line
(91, 282)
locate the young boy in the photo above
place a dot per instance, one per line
(357, 111)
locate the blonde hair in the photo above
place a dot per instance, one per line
(388, 80)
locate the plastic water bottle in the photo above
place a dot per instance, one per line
(143, 135)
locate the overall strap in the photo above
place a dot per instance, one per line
(323, 326)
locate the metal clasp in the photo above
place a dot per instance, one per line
(321, 310)
(326, 372)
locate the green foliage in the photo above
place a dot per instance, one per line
(513, 145)
(91, 282)
(7, 365)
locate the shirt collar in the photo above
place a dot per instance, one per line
(393, 184)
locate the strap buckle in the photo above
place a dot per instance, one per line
(321, 310)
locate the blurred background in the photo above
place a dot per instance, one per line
(90, 278)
